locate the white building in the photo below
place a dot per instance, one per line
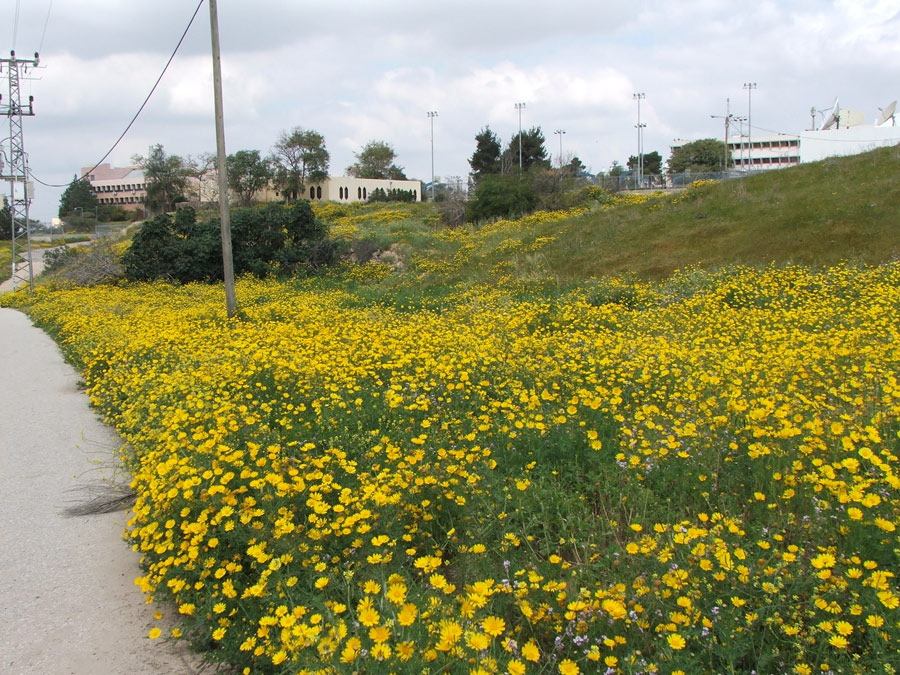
(783, 150)
(349, 189)
(842, 133)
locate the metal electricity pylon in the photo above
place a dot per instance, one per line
(21, 189)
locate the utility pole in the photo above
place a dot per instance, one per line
(728, 117)
(520, 107)
(640, 127)
(224, 213)
(749, 86)
(431, 115)
(20, 198)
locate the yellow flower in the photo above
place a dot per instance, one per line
(531, 652)
(676, 642)
(515, 667)
(568, 667)
(838, 641)
(379, 634)
(154, 633)
(493, 626)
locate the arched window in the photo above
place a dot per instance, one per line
(359, 193)
(319, 192)
(364, 194)
(415, 195)
(340, 193)
(312, 193)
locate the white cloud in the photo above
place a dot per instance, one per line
(358, 71)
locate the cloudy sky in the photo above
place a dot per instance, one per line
(358, 71)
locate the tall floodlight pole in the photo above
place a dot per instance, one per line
(20, 198)
(224, 213)
(639, 97)
(749, 86)
(520, 107)
(560, 132)
(431, 115)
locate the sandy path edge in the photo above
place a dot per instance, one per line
(68, 603)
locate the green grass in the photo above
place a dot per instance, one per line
(816, 214)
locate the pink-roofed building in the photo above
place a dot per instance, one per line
(119, 186)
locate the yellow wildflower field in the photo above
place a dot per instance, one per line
(700, 475)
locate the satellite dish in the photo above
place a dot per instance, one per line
(887, 114)
(851, 118)
(832, 118)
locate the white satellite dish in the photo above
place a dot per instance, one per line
(832, 117)
(887, 114)
(851, 118)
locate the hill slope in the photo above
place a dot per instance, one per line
(816, 214)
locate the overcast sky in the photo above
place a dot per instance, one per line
(358, 71)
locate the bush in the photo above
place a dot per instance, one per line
(286, 239)
(498, 196)
(90, 265)
(392, 195)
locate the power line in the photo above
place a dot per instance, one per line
(44, 32)
(16, 24)
(133, 119)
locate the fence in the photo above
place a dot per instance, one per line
(629, 181)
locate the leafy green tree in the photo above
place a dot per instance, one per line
(299, 156)
(486, 158)
(534, 153)
(575, 168)
(501, 196)
(5, 221)
(248, 173)
(652, 163)
(77, 195)
(376, 160)
(706, 154)
(616, 169)
(165, 178)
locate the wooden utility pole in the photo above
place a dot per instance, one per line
(224, 213)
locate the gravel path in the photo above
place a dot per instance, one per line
(68, 603)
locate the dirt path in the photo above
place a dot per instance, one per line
(68, 603)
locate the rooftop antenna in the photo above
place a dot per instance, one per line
(833, 118)
(887, 114)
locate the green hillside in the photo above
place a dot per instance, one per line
(817, 214)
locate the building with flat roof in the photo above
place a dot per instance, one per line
(126, 187)
(121, 186)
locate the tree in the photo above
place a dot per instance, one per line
(498, 196)
(534, 154)
(376, 160)
(486, 158)
(165, 178)
(248, 173)
(299, 156)
(706, 154)
(616, 169)
(199, 168)
(652, 163)
(77, 195)
(5, 221)
(576, 167)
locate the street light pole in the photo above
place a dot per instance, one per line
(431, 115)
(749, 86)
(560, 132)
(520, 107)
(639, 97)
